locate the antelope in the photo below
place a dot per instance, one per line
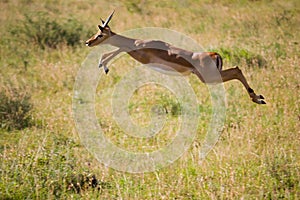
(164, 57)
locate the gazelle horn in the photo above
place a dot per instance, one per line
(104, 24)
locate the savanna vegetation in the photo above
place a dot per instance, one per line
(42, 48)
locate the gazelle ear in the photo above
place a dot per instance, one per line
(101, 28)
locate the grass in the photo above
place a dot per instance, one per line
(15, 109)
(257, 156)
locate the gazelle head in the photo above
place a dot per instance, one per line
(103, 33)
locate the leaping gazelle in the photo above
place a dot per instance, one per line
(207, 66)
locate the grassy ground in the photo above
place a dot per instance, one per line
(41, 48)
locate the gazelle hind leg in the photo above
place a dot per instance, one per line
(256, 98)
(236, 73)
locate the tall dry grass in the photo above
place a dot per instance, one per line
(257, 156)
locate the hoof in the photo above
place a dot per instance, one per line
(106, 70)
(100, 65)
(259, 101)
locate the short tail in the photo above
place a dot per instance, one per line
(219, 61)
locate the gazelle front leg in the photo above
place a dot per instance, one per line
(236, 73)
(106, 58)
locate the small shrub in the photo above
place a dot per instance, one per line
(15, 109)
(44, 31)
(171, 105)
(80, 182)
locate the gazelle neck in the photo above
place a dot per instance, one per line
(121, 41)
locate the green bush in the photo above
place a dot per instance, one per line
(15, 109)
(171, 105)
(39, 28)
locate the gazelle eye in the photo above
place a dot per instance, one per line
(99, 36)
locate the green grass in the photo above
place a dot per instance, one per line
(258, 153)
